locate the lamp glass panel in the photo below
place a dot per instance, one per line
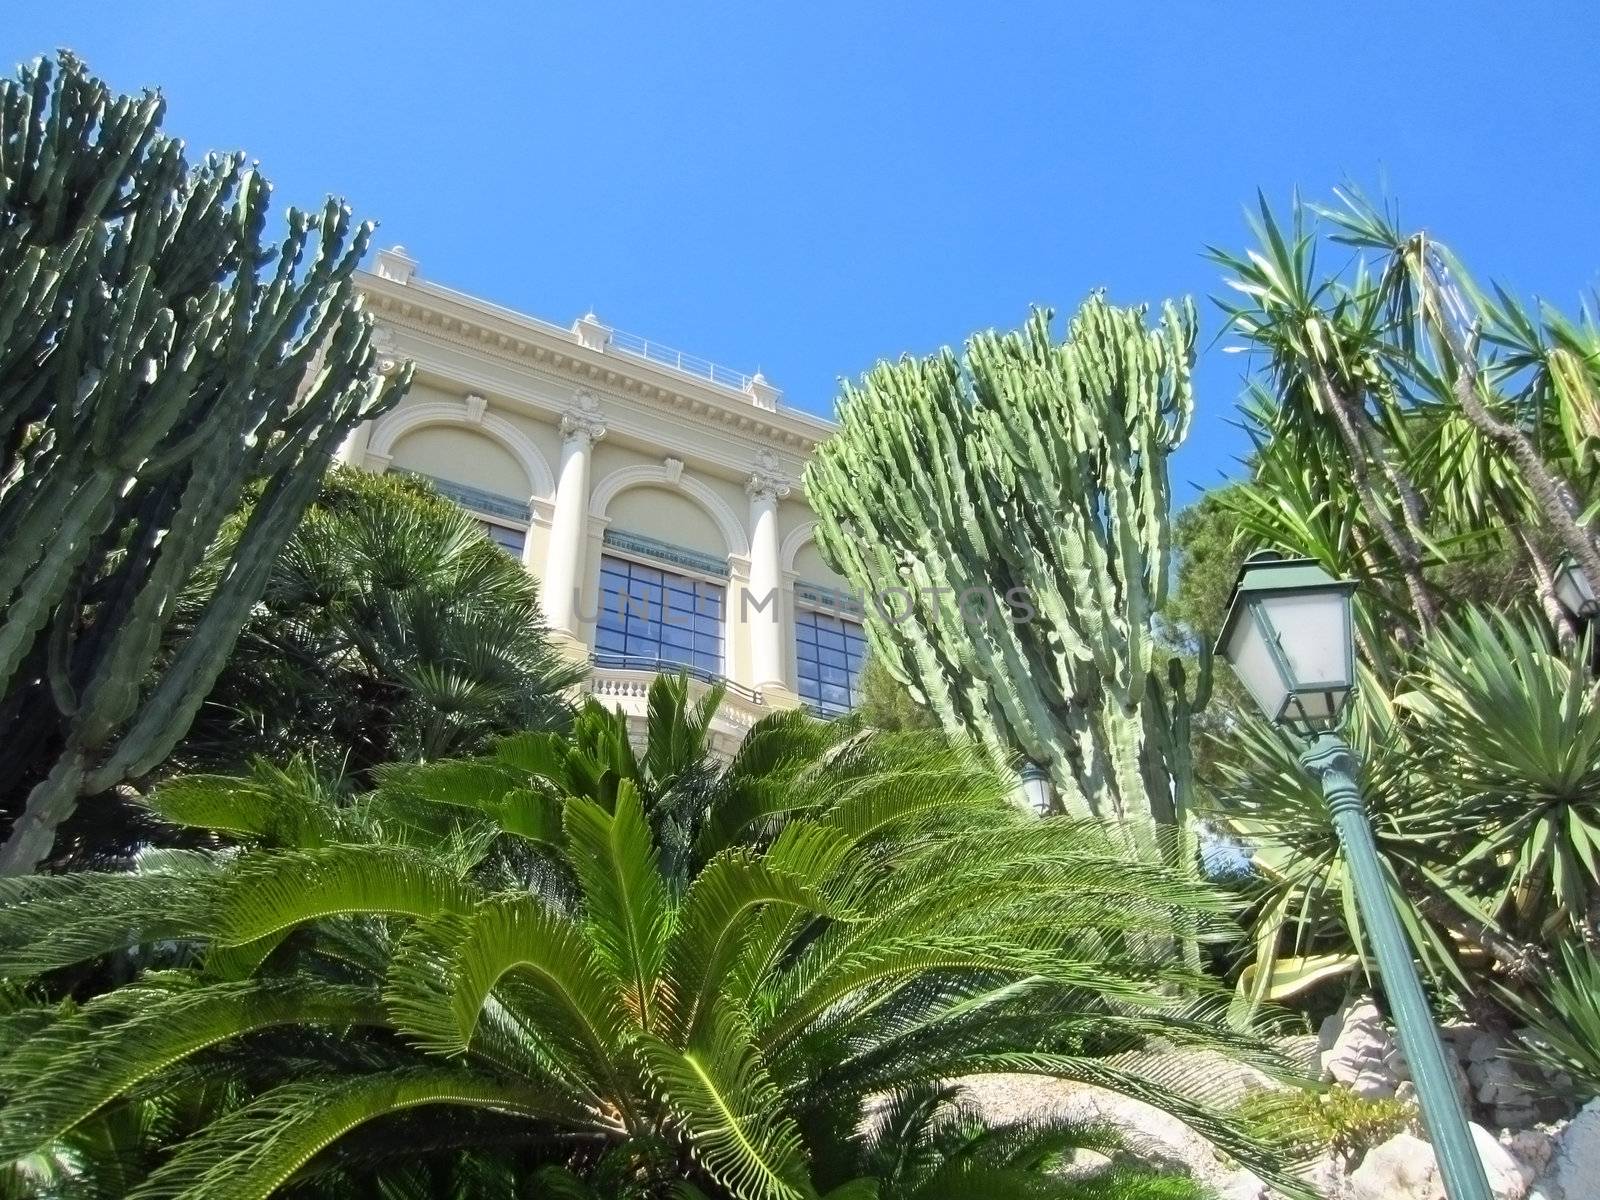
(1254, 664)
(1036, 788)
(1320, 705)
(1573, 589)
(1313, 634)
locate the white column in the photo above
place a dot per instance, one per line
(764, 608)
(581, 428)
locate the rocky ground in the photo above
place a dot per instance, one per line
(1534, 1146)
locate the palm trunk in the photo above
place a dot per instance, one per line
(1551, 494)
(1544, 587)
(1519, 960)
(1401, 543)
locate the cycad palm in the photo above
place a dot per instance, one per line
(510, 944)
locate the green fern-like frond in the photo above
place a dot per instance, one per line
(626, 904)
(721, 926)
(248, 1154)
(68, 1072)
(268, 893)
(447, 968)
(288, 806)
(719, 1091)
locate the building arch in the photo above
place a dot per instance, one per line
(801, 535)
(394, 425)
(673, 479)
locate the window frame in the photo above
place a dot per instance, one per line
(628, 660)
(499, 522)
(852, 684)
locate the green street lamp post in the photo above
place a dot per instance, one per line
(1289, 637)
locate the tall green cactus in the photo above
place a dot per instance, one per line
(1027, 468)
(156, 358)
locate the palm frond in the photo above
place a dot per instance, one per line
(248, 1154)
(720, 1092)
(70, 1070)
(626, 904)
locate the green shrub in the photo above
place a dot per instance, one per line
(1332, 1119)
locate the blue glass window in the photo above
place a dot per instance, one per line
(652, 617)
(508, 539)
(828, 654)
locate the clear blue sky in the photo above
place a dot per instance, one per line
(810, 187)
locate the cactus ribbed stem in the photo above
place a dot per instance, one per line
(155, 362)
(1036, 468)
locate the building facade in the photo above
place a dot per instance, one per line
(655, 496)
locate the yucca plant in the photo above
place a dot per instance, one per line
(661, 976)
(1463, 424)
(1563, 1015)
(1482, 771)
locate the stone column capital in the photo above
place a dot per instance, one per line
(583, 422)
(766, 481)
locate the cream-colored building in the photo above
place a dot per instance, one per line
(655, 496)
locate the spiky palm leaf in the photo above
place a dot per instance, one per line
(391, 629)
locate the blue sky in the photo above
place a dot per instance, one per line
(808, 188)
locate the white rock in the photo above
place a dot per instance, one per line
(1361, 1052)
(1481, 1048)
(1533, 1148)
(1244, 1187)
(1404, 1168)
(1574, 1170)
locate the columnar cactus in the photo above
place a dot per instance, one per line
(1006, 515)
(156, 358)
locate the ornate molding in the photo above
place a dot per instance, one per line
(463, 321)
(765, 482)
(583, 422)
(665, 552)
(479, 500)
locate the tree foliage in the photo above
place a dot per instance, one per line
(631, 966)
(888, 704)
(157, 357)
(391, 630)
(1434, 441)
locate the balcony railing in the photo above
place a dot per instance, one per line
(689, 364)
(612, 661)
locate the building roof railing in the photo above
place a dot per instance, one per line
(678, 360)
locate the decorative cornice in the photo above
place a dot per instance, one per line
(491, 504)
(834, 600)
(487, 329)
